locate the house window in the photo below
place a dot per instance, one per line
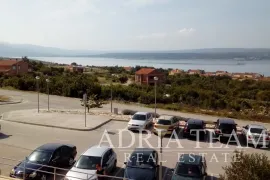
(19, 67)
(13, 67)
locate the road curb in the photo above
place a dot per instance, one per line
(59, 127)
(12, 102)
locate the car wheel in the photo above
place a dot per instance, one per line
(43, 177)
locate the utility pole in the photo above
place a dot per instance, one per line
(155, 79)
(111, 96)
(84, 101)
(48, 92)
(37, 78)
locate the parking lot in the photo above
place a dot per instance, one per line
(18, 140)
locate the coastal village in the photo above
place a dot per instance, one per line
(14, 66)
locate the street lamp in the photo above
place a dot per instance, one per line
(155, 79)
(37, 78)
(111, 93)
(161, 134)
(48, 92)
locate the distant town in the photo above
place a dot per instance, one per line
(13, 66)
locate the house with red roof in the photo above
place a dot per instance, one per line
(176, 71)
(128, 68)
(195, 71)
(14, 66)
(146, 76)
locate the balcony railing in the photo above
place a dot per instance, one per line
(54, 173)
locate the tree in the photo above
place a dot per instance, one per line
(74, 64)
(92, 102)
(123, 79)
(247, 166)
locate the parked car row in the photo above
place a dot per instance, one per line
(223, 127)
(143, 163)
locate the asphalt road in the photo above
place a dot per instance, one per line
(18, 140)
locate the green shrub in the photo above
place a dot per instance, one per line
(128, 112)
(247, 166)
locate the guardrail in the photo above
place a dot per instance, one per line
(24, 175)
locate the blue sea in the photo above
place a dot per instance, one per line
(230, 65)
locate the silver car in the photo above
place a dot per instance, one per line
(85, 167)
(256, 135)
(140, 120)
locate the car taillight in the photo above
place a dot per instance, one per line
(170, 128)
(217, 131)
(185, 129)
(155, 125)
(249, 137)
(267, 138)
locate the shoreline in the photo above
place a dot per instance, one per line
(231, 64)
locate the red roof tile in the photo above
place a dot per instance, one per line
(7, 62)
(145, 71)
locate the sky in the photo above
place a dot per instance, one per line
(136, 24)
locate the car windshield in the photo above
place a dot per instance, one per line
(188, 170)
(164, 122)
(227, 126)
(40, 157)
(141, 160)
(139, 117)
(256, 130)
(88, 162)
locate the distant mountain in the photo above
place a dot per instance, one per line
(8, 50)
(18, 50)
(226, 53)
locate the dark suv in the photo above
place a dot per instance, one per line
(57, 155)
(190, 167)
(191, 126)
(224, 128)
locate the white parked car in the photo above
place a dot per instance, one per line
(256, 135)
(85, 167)
(140, 120)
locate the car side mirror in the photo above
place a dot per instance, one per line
(125, 162)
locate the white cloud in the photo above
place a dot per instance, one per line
(153, 36)
(186, 30)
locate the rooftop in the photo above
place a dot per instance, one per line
(7, 62)
(195, 121)
(190, 159)
(227, 121)
(165, 117)
(50, 146)
(145, 71)
(144, 151)
(96, 150)
(143, 113)
(256, 126)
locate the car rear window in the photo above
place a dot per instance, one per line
(227, 126)
(194, 126)
(164, 122)
(256, 130)
(188, 170)
(140, 117)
